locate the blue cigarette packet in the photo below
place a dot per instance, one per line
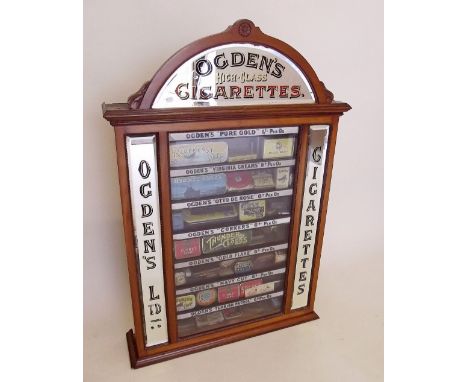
(198, 186)
(177, 221)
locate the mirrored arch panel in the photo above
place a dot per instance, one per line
(235, 74)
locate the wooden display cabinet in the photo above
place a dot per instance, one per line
(225, 159)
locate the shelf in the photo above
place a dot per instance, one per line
(232, 199)
(229, 167)
(239, 279)
(230, 256)
(231, 316)
(229, 305)
(231, 228)
(227, 134)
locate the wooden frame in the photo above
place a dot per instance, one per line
(136, 117)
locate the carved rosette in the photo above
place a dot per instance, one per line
(245, 29)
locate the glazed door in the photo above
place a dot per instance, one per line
(231, 194)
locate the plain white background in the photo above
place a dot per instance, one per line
(425, 206)
(124, 44)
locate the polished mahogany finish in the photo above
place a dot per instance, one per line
(137, 117)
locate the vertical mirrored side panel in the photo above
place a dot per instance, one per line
(144, 193)
(316, 155)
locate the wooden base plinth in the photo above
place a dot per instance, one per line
(137, 361)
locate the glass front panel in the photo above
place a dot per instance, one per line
(231, 196)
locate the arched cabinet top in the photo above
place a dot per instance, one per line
(241, 66)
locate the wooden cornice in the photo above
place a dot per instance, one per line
(122, 114)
